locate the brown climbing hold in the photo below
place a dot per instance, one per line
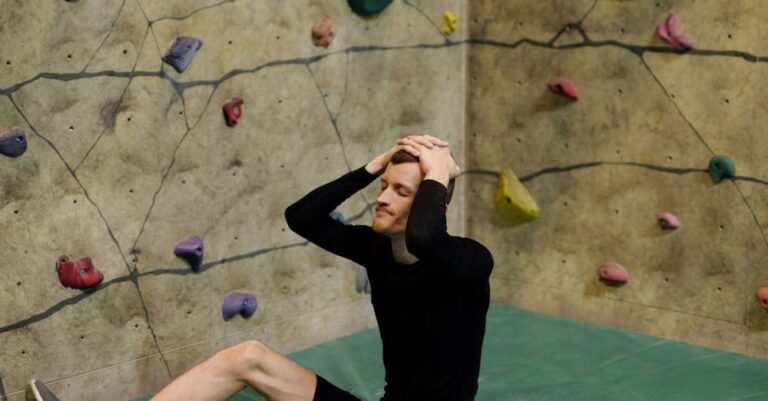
(668, 31)
(762, 296)
(80, 274)
(563, 87)
(323, 31)
(612, 273)
(232, 111)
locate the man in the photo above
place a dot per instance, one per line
(429, 290)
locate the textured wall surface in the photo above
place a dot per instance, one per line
(127, 157)
(637, 143)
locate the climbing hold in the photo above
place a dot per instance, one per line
(191, 250)
(513, 200)
(243, 303)
(180, 54)
(721, 167)
(368, 7)
(232, 111)
(79, 274)
(667, 220)
(450, 22)
(338, 217)
(362, 284)
(323, 31)
(668, 31)
(13, 143)
(762, 296)
(563, 87)
(613, 273)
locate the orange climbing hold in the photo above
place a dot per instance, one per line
(762, 296)
(323, 31)
(563, 87)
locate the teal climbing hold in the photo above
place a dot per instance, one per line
(721, 167)
(368, 7)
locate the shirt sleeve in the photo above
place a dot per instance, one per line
(427, 238)
(310, 218)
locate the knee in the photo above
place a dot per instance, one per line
(245, 356)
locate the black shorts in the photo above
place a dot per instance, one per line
(325, 391)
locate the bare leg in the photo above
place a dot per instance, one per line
(229, 370)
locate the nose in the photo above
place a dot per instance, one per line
(383, 198)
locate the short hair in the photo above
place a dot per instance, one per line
(402, 156)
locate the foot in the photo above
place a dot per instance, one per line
(40, 392)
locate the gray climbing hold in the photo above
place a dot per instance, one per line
(721, 167)
(13, 143)
(338, 217)
(191, 250)
(180, 54)
(362, 284)
(368, 7)
(242, 303)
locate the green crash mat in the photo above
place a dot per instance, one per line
(533, 356)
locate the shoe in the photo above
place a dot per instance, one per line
(40, 392)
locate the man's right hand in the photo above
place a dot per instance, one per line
(380, 162)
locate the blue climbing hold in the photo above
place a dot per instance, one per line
(338, 217)
(191, 250)
(243, 303)
(368, 7)
(13, 143)
(181, 52)
(721, 167)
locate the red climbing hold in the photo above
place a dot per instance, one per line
(563, 87)
(79, 274)
(668, 31)
(232, 111)
(668, 221)
(762, 296)
(323, 31)
(613, 273)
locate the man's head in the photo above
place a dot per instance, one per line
(399, 184)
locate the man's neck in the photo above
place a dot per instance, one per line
(400, 251)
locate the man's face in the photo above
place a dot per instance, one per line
(399, 184)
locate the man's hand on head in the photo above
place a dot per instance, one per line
(435, 160)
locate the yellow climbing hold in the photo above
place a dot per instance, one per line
(513, 200)
(450, 22)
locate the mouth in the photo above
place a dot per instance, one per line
(382, 211)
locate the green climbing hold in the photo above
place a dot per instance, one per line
(721, 167)
(368, 7)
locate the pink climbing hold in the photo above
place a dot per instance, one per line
(668, 221)
(762, 296)
(668, 31)
(79, 274)
(563, 87)
(613, 273)
(232, 111)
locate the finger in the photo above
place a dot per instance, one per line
(436, 141)
(411, 142)
(410, 149)
(423, 141)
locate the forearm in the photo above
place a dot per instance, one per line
(318, 203)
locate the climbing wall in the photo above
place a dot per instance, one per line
(128, 156)
(636, 143)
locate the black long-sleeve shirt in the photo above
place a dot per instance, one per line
(431, 313)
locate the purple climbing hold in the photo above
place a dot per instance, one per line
(243, 303)
(191, 250)
(612, 273)
(668, 220)
(181, 52)
(13, 143)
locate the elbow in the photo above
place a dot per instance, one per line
(291, 217)
(418, 242)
